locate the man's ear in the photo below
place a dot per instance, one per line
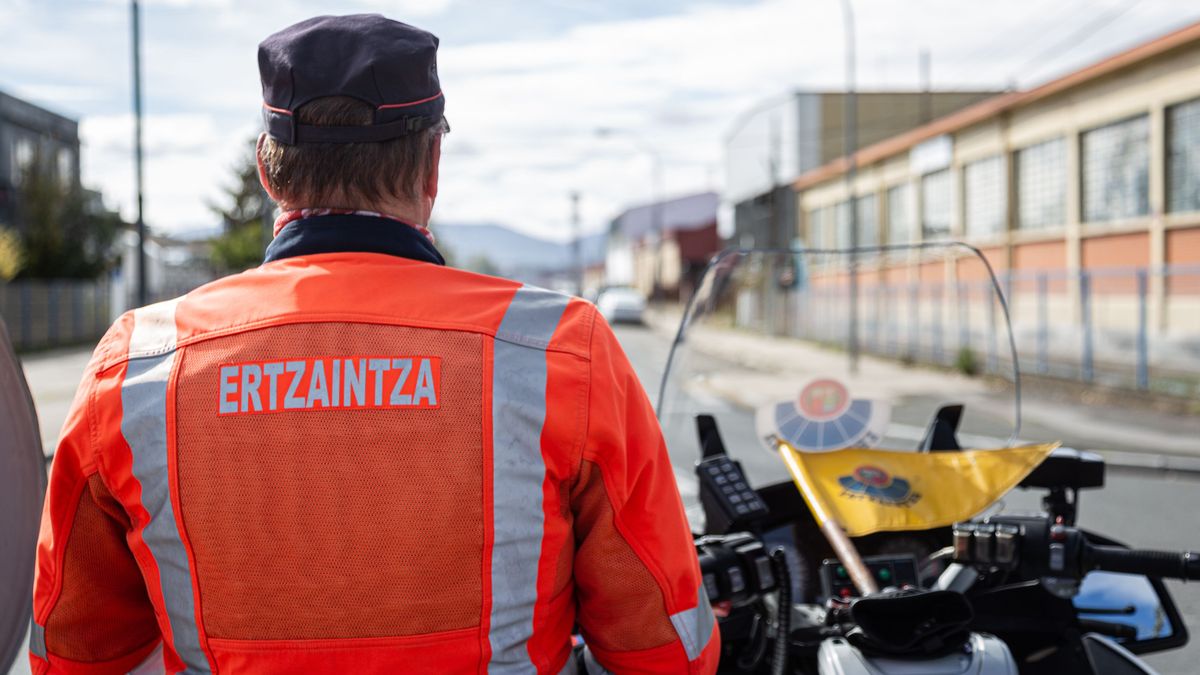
(430, 188)
(262, 170)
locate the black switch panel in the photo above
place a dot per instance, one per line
(729, 501)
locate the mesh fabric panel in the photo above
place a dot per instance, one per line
(334, 523)
(621, 605)
(103, 612)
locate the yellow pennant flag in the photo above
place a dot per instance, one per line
(869, 491)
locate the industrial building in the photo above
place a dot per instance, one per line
(775, 142)
(28, 131)
(1084, 193)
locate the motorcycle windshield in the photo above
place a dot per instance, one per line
(830, 349)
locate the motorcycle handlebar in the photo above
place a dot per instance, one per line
(1169, 564)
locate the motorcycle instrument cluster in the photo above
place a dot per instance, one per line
(899, 571)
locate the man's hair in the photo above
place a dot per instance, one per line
(347, 174)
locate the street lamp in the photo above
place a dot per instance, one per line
(656, 179)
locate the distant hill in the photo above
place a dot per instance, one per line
(511, 251)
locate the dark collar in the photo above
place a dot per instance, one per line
(352, 234)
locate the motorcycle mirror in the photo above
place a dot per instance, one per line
(22, 486)
(1132, 610)
(1107, 656)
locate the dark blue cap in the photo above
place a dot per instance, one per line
(388, 64)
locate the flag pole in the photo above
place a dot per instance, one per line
(843, 548)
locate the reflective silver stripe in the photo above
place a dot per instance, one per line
(532, 317)
(695, 626)
(37, 639)
(144, 425)
(153, 329)
(518, 412)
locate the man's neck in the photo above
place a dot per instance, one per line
(405, 211)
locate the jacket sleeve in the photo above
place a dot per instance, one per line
(641, 604)
(91, 613)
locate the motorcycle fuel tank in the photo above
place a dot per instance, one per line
(22, 485)
(982, 655)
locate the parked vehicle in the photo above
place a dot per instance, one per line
(621, 304)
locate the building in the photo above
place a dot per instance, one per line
(662, 248)
(28, 131)
(1084, 193)
(781, 139)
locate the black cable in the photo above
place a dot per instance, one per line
(783, 619)
(749, 662)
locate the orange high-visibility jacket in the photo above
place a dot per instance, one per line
(355, 462)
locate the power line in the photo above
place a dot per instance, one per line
(1085, 32)
(1052, 24)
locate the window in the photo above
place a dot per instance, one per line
(1116, 170)
(22, 158)
(1042, 185)
(1183, 156)
(816, 224)
(841, 225)
(868, 220)
(986, 196)
(823, 227)
(937, 204)
(66, 166)
(899, 210)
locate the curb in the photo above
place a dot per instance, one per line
(1151, 463)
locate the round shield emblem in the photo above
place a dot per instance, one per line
(824, 399)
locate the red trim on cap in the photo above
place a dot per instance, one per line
(406, 105)
(278, 110)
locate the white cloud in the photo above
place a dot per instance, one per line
(188, 158)
(523, 110)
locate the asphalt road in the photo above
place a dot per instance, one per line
(1147, 510)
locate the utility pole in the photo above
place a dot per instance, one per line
(142, 297)
(926, 86)
(850, 121)
(576, 245)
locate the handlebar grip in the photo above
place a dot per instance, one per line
(1170, 564)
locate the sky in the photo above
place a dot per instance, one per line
(528, 83)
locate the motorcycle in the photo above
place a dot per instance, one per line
(821, 551)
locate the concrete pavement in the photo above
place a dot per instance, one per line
(759, 369)
(53, 377)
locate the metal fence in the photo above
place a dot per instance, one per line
(1136, 328)
(49, 313)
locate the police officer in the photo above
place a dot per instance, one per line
(353, 458)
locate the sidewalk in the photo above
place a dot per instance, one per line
(774, 368)
(53, 377)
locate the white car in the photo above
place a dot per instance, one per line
(621, 305)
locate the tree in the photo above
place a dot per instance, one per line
(481, 264)
(59, 236)
(241, 212)
(10, 253)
